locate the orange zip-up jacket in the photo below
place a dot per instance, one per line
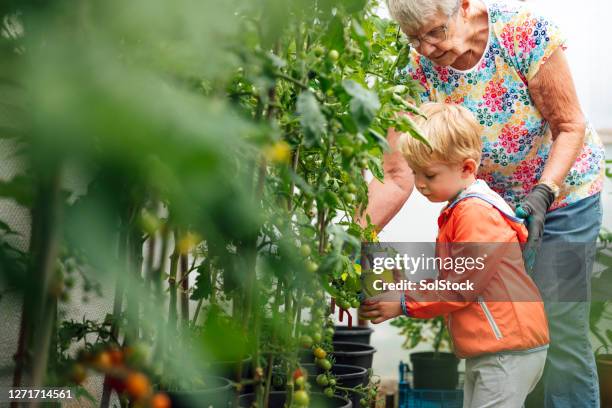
(485, 320)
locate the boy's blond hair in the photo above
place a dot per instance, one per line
(452, 132)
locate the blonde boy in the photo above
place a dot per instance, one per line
(504, 342)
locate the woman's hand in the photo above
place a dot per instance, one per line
(386, 199)
(378, 311)
(533, 209)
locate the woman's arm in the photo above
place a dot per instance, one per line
(553, 92)
(386, 199)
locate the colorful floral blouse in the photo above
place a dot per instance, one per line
(516, 139)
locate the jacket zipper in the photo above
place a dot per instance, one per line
(487, 312)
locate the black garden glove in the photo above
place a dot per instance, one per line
(533, 209)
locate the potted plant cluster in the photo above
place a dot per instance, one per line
(200, 166)
(435, 369)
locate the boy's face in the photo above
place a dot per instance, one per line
(441, 182)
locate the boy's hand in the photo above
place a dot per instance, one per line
(379, 311)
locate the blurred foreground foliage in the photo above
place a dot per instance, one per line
(203, 158)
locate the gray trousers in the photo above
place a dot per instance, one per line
(501, 380)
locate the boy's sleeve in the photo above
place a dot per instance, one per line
(478, 230)
(429, 309)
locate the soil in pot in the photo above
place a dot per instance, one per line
(277, 400)
(217, 393)
(356, 334)
(434, 371)
(604, 371)
(355, 354)
(346, 376)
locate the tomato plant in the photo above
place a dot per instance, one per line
(219, 150)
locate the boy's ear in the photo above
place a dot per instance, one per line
(469, 167)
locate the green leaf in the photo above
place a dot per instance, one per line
(402, 58)
(354, 6)
(334, 37)
(81, 392)
(380, 139)
(20, 189)
(203, 283)
(301, 183)
(406, 125)
(348, 124)
(313, 121)
(375, 166)
(364, 103)
(331, 265)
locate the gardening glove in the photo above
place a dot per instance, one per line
(533, 209)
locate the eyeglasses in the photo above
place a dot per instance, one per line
(435, 36)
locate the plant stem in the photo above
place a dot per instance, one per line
(46, 215)
(172, 287)
(184, 287)
(277, 301)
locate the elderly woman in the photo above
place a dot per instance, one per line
(507, 66)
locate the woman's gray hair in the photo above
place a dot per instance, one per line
(413, 14)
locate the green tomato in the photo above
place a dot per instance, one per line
(373, 393)
(300, 381)
(301, 398)
(149, 222)
(316, 337)
(307, 301)
(324, 363)
(329, 392)
(363, 163)
(363, 402)
(347, 151)
(332, 199)
(355, 303)
(332, 382)
(333, 55)
(322, 380)
(329, 332)
(305, 250)
(348, 197)
(345, 304)
(306, 341)
(318, 51)
(312, 266)
(351, 188)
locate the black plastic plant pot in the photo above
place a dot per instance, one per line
(346, 376)
(229, 369)
(355, 354)
(218, 393)
(356, 334)
(604, 370)
(277, 400)
(434, 371)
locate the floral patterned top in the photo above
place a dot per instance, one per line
(516, 139)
